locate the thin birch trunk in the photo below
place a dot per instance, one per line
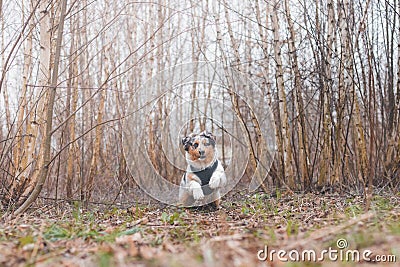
(93, 171)
(360, 143)
(262, 31)
(7, 106)
(36, 122)
(2, 48)
(339, 156)
(23, 151)
(86, 82)
(44, 165)
(398, 92)
(325, 169)
(392, 161)
(302, 134)
(235, 100)
(3, 60)
(72, 89)
(286, 144)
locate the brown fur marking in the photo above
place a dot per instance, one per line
(194, 153)
(192, 177)
(217, 202)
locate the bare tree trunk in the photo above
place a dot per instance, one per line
(349, 80)
(6, 62)
(72, 95)
(253, 145)
(264, 45)
(7, 107)
(44, 166)
(96, 149)
(339, 157)
(23, 152)
(1, 48)
(302, 134)
(392, 160)
(286, 144)
(398, 76)
(85, 81)
(98, 133)
(398, 92)
(193, 96)
(25, 182)
(5, 93)
(325, 170)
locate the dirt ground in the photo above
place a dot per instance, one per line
(248, 230)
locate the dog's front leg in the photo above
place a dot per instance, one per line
(218, 179)
(216, 198)
(196, 190)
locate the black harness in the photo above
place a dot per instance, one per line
(205, 176)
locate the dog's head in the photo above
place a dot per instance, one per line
(200, 147)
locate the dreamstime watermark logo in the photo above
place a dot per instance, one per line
(341, 254)
(181, 99)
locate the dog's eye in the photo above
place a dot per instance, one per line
(195, 145)
(207, 143)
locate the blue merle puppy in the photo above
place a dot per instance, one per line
(204, 175)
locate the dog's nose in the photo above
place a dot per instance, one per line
(201, 152)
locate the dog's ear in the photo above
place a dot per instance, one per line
(209, 136)
(186, 142)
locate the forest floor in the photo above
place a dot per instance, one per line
(245, 231)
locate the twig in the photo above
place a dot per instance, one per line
(228, 238)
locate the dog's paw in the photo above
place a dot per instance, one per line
(198, 194)
(214, 182)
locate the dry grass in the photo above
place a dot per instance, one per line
(168, 236)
